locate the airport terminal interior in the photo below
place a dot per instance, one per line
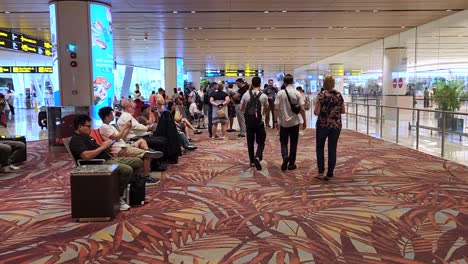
(399, 191)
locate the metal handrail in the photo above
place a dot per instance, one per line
(379, 117)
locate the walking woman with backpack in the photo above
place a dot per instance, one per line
(328, 108)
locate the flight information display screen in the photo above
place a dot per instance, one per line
(20, 42)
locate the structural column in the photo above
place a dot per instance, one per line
(81, 34)
(394, 71)
(172, 72)
(394, 84)
(194, 78)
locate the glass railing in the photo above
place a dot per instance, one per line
(435, 132)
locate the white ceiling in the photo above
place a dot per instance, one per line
(239, 33)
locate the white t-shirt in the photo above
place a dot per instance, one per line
(137, 128)
(246, 98)
(286, 116)
(106, 132)
(194, 109)
(10, 98)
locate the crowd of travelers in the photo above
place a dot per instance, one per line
(141, 138)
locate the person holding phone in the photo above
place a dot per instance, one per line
(118, 147)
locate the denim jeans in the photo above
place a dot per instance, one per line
(256, 134)
(289, 134)
(321, 136)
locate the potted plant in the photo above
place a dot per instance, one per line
(448, 96)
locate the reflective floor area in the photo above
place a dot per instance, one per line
(25, 122)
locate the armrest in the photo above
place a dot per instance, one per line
(90, 161)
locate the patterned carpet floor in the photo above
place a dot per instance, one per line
(387, 204)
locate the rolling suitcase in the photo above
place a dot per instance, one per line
(42, 119)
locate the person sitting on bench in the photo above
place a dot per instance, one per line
(10, 153)
(138, 149)
(82, 146)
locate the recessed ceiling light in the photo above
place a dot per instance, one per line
(284, 11)
(193, 12)
(266, 12)
(185, 27)
(39, 28)
(357, 11)
(7, 12)
(403, 26)
(175, 12)
(133, 39)
(345, 27)
(449, 10)
(272, 28)
(206, 39)
(330, 27)
(259, 28)
(265, 39)
(195, 39)
(200, 28)
(375, 10)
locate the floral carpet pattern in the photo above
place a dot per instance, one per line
(386, 204)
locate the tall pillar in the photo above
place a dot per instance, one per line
(394, 84)
(394, 71)
(82, 37)
(337, 71)
(172, 72)
(194, 78)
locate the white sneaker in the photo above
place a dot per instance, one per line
(123, 205)
(6, 169)
(13, 167)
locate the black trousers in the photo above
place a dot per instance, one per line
(289, 135)
(322, 134)
(256, 134)
(210, 121)
(12, 109)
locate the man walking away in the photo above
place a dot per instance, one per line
(237, 99)
(288, 104)
(270, 91)
(251, 105)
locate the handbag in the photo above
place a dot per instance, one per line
(295, 108)
(221, 112)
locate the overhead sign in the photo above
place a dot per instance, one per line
(19, 42)
(233, 73)
(26, 69)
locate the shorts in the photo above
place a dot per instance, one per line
(131, 151)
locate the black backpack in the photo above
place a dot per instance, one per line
(198, 101)
(253, 110)
(206, 98)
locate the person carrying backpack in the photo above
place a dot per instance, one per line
(251, 105)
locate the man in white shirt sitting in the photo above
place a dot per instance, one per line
(197, 115)
(138, 149)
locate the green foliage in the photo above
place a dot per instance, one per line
(449, 94)
(204, 83)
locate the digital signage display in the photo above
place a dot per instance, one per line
(20, 42)
(180, 72)
(102, 54)
(53, 38)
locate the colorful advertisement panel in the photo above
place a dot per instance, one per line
(180, 72)
(102, 55)
(53, 89)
